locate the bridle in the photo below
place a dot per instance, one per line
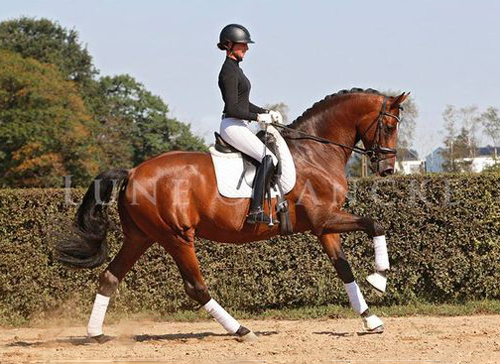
(375, 153)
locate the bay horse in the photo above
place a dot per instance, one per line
(172, 198)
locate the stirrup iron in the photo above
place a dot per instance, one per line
(258, 217)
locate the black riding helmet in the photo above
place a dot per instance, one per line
(234, 33)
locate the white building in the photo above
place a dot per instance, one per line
(410, 167)
(485, 158)
(479, 163)
(408, 162)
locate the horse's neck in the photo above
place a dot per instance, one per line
(331, 126)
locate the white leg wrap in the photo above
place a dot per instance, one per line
(356, 297)
(94, 327)
(226, 320)
(381, 256)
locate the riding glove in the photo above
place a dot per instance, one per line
(264, 118)
(276, 116)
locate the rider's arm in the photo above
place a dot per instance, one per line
(229, 87)
(256, 109)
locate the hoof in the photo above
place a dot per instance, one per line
(248, 338)
(377, 281)
(101, 339)
(372, 325)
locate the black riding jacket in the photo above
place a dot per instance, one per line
(235, 89)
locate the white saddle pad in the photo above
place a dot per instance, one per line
(229, 168)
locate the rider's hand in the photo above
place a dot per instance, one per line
(276, 116)
(264, 118)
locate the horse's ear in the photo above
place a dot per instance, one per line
(400, 99)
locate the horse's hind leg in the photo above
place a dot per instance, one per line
(185, 257)
(333, 248)
(134, 245)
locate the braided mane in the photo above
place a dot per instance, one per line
(322, 104)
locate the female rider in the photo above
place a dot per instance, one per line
(238, 111)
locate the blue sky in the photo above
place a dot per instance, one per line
(443, 51)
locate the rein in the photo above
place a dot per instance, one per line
(319, 139)
(374, 153)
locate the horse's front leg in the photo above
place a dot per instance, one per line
(343, 222)
(333, 248)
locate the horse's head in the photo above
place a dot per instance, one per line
(346, 117)
(379, 134)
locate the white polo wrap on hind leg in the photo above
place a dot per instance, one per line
(381, 256)
(225, 319)
(356, 297)
(96, 320)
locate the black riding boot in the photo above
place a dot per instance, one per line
(261, 184)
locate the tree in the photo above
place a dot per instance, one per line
(44, 126)
(450, 124)
(138, 117)
(48, 42)
(471, 122)
(462, 152)
(491, 123)
(460, 145)
(126, 123)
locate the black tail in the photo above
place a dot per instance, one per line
(86, 247)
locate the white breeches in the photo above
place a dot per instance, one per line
(235, 132)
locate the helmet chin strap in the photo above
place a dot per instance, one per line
(238, 58)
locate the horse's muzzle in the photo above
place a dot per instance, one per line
(387, 172)
(386, 167)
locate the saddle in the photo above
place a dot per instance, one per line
(267, 138)
(249, 163)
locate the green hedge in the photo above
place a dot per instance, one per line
(443, 233)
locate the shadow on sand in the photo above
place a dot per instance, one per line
(83, 340)
(334, 334)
